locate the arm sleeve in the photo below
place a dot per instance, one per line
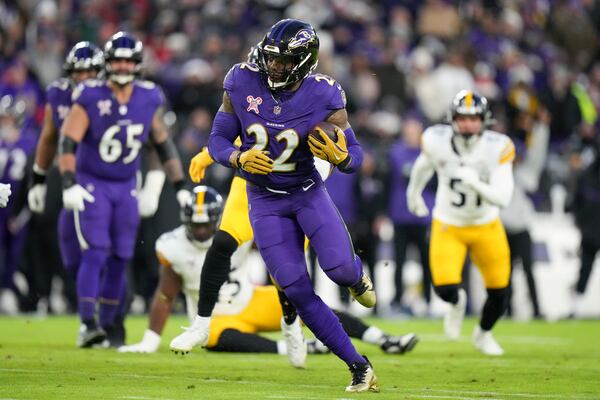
(355, 152)
(225, 129)
(499, 190)
(421, 173)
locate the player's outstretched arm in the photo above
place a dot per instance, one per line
(198, 165)
(44, 155)
(421, 173)
(500, 187)
(72, 132)
(169, 286)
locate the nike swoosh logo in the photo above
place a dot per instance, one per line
(308, 187)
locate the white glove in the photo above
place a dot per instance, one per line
(149, 344)
(149, 196)
(74, 198)
(467, 175)
(4, 194)
(416, 204)
(184, 196)
(37, 198)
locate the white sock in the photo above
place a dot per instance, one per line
(201, 321)
(281, 347)
(373, 335)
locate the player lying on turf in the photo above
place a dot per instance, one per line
(243, 309)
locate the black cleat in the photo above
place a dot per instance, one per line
(88, 337)
(399, 344)
(363, 378)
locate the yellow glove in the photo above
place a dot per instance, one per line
(255, 162)
(333, 152)
(198, 165)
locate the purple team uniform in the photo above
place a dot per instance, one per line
(13, 161)
(58, 96)
(285, 206)
(108, 159)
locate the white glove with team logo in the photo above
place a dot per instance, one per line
(149, 196)
(416, 204)
(4, 194)
(36, 198)
(74, 198)
(149, 344)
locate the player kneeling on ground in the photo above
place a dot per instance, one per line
(243, 309)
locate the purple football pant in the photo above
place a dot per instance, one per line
(68, 243)
(280, 222)
(107, 227)
(11, 244)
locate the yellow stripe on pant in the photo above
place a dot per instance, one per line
(489, 251)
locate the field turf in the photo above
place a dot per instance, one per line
(38, 360)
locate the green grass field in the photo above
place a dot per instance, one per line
(38, 360)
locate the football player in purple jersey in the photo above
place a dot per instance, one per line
(99, 155)
(273, 106)
(17, 141)
(84, 61)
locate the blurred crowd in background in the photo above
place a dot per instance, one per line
(400, 62)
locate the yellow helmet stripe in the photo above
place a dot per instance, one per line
(200, 201)
(469, 99)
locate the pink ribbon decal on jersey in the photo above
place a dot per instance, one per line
(253, 104)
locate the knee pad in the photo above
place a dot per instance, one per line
(448, 293)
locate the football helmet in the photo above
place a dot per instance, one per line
(467, 102)
(292, 43)
(84, 56)
(202, 213)
(13, 108)
(123, 46)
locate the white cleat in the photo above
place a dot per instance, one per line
(484, 342)
(453, 319)
(149, 344)
(195, 335)
(294, 340)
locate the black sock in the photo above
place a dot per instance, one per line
(234, 341)
(215, 271)
(494, 307)
(353, 326)
(289, 311)
(90, 324)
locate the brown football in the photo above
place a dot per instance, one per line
(327, 127)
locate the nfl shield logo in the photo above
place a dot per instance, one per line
(276, 110)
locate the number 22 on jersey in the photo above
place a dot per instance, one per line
(291, 138)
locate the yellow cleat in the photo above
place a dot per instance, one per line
(363, 292)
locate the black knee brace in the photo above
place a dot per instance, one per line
(448, 293)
